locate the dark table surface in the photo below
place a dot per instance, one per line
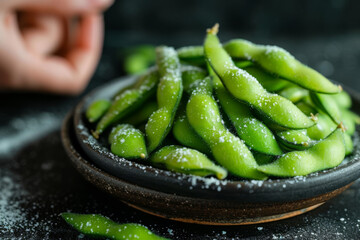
(38, 182)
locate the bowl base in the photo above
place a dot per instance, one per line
(241, 221)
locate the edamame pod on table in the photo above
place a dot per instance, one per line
(97, 109)
(327, 153)
(228, 150)
(128, 101)
(280, 62)
(127, 142)
(248, 128)
(100, 226)
(245, 87)
(169, 94)
(186, 160)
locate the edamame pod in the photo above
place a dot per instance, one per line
(100, 226)
(169, 94)
(280, 62)
(245, 87)
(327, 153)
(228, 150)
(349, 145)
(349, 120)
(294, 93)
(327, 104)
(295, 139)
(186, 160)
(184, 133)
(128, 101)
(127, 142)
(97, 109)
(142, 115)
(342, 99)
(247, 126)
(270, 82)
(193, 55)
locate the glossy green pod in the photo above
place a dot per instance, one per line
(142, 114)
(128, 101)
(327, 104)
(280, 62)
(245, 87)
(349, 120)
(343, 99)
(349, 145)
(270, 82)
(185, 135)
(295, 139)
(252, 131)
(327, 153)
(294, 93)
(186, 160)
(169, 93)
(228, 150)
(127, 142)
(97, 109)
(99, 226)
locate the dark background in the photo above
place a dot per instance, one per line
(323, 34)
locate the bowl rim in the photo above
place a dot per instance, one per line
(273, 190)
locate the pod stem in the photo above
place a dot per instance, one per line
(342, 127)
(214, 30)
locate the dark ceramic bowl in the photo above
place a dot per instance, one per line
(196, 199)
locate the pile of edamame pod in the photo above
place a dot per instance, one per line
(250, 110)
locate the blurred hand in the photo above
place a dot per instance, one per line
(50, 45)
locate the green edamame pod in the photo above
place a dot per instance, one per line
(184, 133)
(295, 139)
(190, 75)
(127, 142)
(228, 150)
(97, 109)
(327, 153)
(280, 62)
(248, 128)
(342, 99)
(294, 93)
(186, 160)
(169, 94)
(270, 82)
(327, 104)
(193, 55)
(263, 159)
(100, 226)
(142, 115)
(128, 101)
(349, 120)
(245, 87)
(349, 145)
(323, 127)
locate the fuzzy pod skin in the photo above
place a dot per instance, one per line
(327, 153)
(128, 101)
(252, 131)
(281, 63)
(188, 161)
(97, 109)
(228, 150)
(127, 142)
(169, 93)
(245, 87)
(99, 226)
